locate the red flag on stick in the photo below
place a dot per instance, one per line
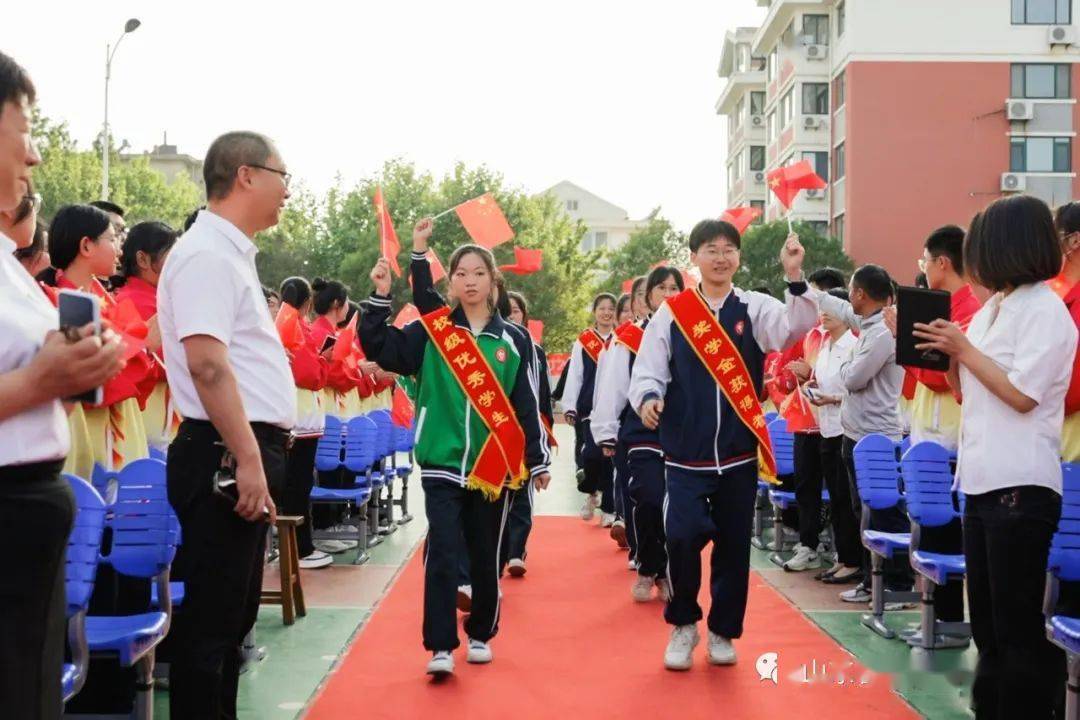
(288, 327)
(389, 246)
(438, 272)
(406, 316)
(787, 181)
(484, 221)
(798, 412)
(741, 217)
(401, 412)
(536, 329)
(526, 261)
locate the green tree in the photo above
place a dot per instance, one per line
(760, 256)
(656, 242)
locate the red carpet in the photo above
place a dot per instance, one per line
(572, 644)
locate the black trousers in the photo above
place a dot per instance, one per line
(647, 494)
(700, 509)
(949, 598)
(453, 511)
(1006, 544)
(897, 571)
(845, 524)
(599, 470)
(36, 514)
(624, 504)
(325, 515)
(221, 563)
(808, 481)
(518, 525)
(296, 497)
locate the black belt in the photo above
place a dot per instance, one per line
(264, 432)
(31, 471)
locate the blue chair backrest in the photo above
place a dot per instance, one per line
(877, 472)
(770, 416)
(783, 446)
(145, 531)
(361, 444)
(104, 481)
(330, 450)
(1065, 546)
(928, 480)
(84, 544)
(905, 445)
(404, 438)
(385, 444)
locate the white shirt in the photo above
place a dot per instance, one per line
(40, 433)
(1030, 335)
(210, 287)
(832, 355)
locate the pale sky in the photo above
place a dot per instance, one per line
(617, 97)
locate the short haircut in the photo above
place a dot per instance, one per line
(657, 276)
(1012, 243)
(109, 207)
(1067, 218)
(948, 241)
(69, 226)
(15, 82)
(295, 291)
(522, 303)
(708, 230)
(601, 298)
(327, 293)
(151, 237)
(827, 278)
(840, 293)
(874, 280)
(190, 219)
(227, 155)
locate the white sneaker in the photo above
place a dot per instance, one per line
(618, 534)
(641, 590)
(680, 650)
(663, 589)
(516, 567)
(317, 559)
(803, 559)
(721, 651)
(479, 652)
(464, 598)
(858, 594)
(441, 664)
(607, 520)
(332, 547)
(589, 508)
(349, 544)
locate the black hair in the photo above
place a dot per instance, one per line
(295, 291)
(15, 82)
(827, 278)
(327, 293)
(623, 303)
(601, 298)
(636, 285)
(268, 293)
(36, 246)
(69, 226)
(521, 303)
(709, 230)
(948, 241)
(657, 276)
(839, 292)
(153, 238)
(227, 154)
(109, 207)
(874, 280)
(502, 297)
(921, 281)
(1011, 243)
(26, 205)
(1067, 218)
(190, 219)
(353, 309)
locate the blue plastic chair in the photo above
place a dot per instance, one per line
(877, 475)
(404, 442)
(144, 539)
(356, 454)
(84, 545)
(104, 481)
(330, 450)
(783, 446)
(383, 506)
(928, 481)
(1064, 564)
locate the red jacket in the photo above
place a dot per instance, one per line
(806, 349)
(963, 308)
(310, 369)
(143, 296)
(1071, 296)
(339, 377)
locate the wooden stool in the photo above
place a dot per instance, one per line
(291, 595)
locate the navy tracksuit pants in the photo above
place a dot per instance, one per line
(624, 504)
(646, 489)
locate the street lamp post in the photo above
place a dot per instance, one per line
(130, 26)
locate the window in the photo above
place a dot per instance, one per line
(770, 127)
(742, 57)
(838, 228)
(820, 162)
(1040, 154)
(1041, 12)
(601, 240)
(815, 29)
(815, 98)
(839, 160)
(757, 157)
(1040, 81)
(731, 174)
(737, 166)
(757, 103)
(839, 90)
(737, 118)
(571, 205)
(786, 109)
(586, 242)
(760, 205)
(820, 227)
(770, 65)
(841, 18)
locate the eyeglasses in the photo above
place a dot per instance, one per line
(284, 175)
(922, 264)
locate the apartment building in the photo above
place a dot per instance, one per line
(742, 102)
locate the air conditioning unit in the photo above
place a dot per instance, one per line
(815, 194)
(759, 178)
(1020, 110)
(757, 121)
(817, 52)
(1061, 35)
(1013, 182)
(811, 123)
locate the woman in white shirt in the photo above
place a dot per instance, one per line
(1012, 369)
(829, 391)
(38, 366)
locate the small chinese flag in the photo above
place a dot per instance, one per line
(406, 316)
(526, 261)
(484, 221)
(787, 181)
(438, 272)
(536, 329)
(346, 341)
(741, 217)
(126, 320)
(389, 246)
(288, 327)
(798, 412)
(401, 412)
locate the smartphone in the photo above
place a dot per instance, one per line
(918, 305)
(809, 392)
(327, 344)
(78, 309)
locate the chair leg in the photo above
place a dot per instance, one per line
(778, 529)
(144, 687)
(404, 501)
(362, 535)
(1072, 689)
(757, 539)
(386, 519)
(875, 619)
(287, 537)
(928, 615)
(373, 537)
(296, 590)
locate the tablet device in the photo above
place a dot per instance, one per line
(917, 305)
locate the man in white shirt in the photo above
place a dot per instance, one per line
(231, 380)
(38, 367)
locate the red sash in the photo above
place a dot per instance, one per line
(503, 453)
(630, 335)
(593, 344)
(726, 366)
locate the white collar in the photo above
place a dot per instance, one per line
(242, 242)
(7, 245)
